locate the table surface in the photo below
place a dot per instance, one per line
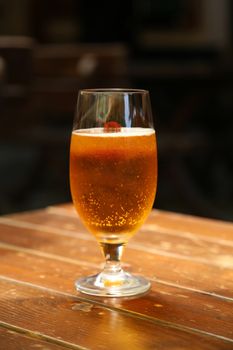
(188, 260)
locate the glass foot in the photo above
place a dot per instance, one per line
(118, 284)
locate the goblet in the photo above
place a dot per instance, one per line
(113, 178)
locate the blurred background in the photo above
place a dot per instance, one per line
(179, 50)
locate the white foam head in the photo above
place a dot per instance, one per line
(99, 132)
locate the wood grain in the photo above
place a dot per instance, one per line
(188, 260)
(181, 244)
(166, 303)
(157, 264)
(179, 223)
(67, 319)
(14, 340)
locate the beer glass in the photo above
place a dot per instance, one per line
(113, 177)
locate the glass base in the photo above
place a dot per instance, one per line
(119, 284)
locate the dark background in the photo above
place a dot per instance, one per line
(179, 50)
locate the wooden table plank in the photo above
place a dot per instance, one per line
(164, 302)
(189, 261)
(178, 244)
(166, 268)
(187, 224)
(13, 340)
(164, 222)
(176, 222)
(66, 319)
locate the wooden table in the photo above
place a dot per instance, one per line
(188, 260)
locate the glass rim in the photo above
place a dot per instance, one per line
(113, 90)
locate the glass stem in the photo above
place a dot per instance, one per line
(112, 254)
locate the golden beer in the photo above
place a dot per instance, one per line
(113, 179)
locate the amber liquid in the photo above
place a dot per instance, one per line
(113, 179)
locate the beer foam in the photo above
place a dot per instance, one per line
(125, 132)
